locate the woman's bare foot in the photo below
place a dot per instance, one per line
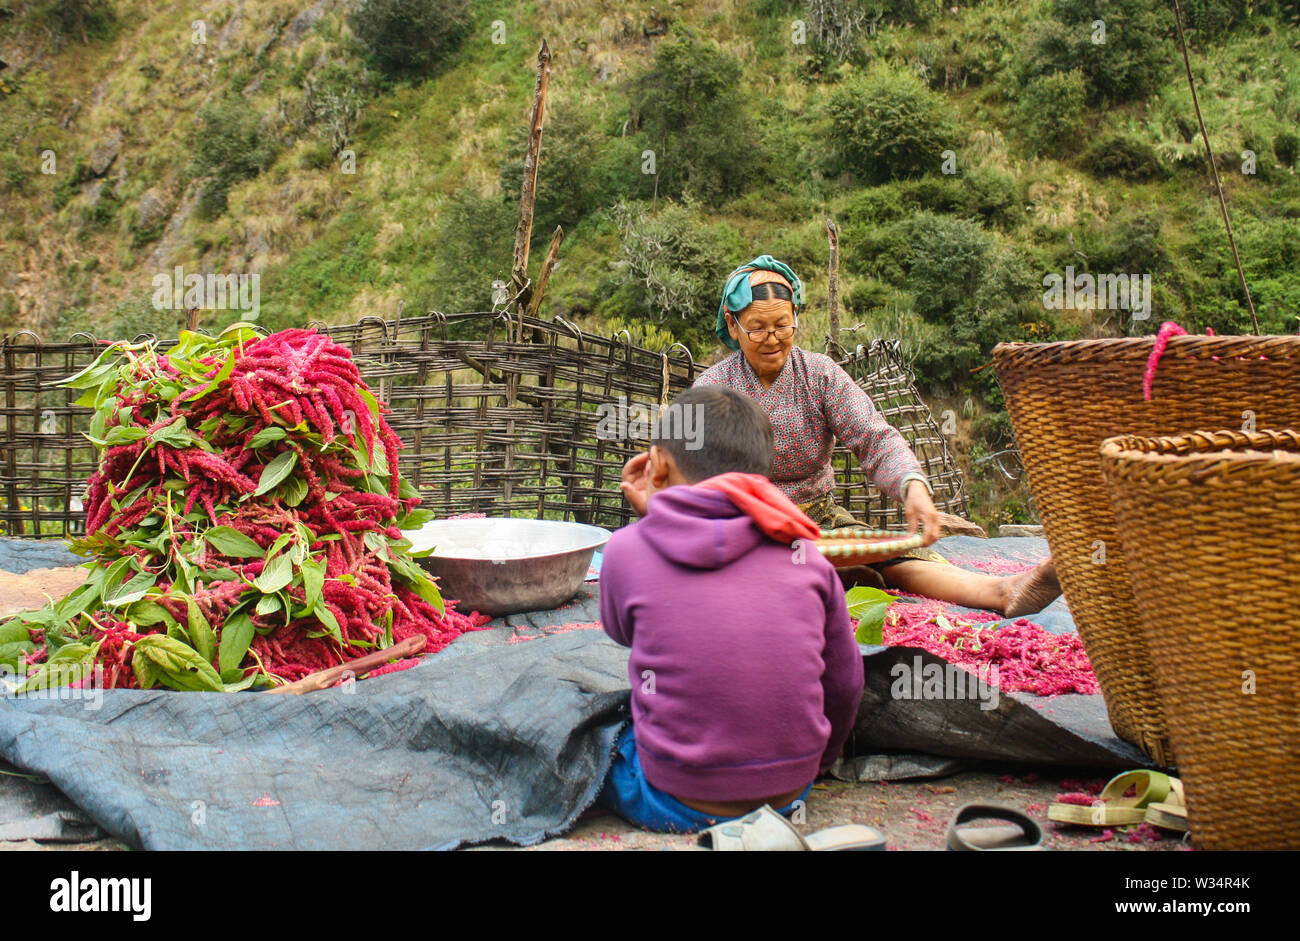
(1030, 592)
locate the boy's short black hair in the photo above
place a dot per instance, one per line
(733, 433)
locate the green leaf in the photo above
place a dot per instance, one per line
(236, 635)
(133, 590)
(295, 491)
(264, 437)
(14, 632)
(237, 686)
(415, 519)
(268, 604)
(331, 623)
(71, 662)
(419, 581)
(371, 402)
(313, 581)
(11, 654)
(200, 631)
(124, 434)
(277, 574)
(176, 434)
(868, 606)
(94, 372)
(280, 542)
(379, 460)
(276, 471)
(222, 375)
(146, 670)
(83, 598)
(180, 665)
(147, 613)
(231, 542)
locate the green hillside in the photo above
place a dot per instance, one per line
(966, 151)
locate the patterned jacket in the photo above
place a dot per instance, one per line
(811, 404)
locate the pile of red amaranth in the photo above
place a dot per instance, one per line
(1017, 657)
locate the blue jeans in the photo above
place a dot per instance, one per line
(637, 801)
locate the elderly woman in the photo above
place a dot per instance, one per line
(812, 402)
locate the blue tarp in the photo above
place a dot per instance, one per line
(504, 735)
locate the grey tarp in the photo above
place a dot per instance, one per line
(504, 735)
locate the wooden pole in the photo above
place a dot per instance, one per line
(833, 236)
(1214, 170)
(323, 679)
(528, 196)
(552, 256)
(523, 234)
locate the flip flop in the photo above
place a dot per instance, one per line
(1170, 814)
(765, 830)
(1025, 835)
(1112, 808)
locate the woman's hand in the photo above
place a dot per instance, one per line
(636, 474)
(921, 512)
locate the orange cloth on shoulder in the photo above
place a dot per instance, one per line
(761, 500)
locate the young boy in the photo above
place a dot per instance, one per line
(745, 672)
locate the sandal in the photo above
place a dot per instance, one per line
(1170, 814)
(1112, 808)
(1025, 835)
(765, 830)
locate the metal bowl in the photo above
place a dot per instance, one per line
(503, 566)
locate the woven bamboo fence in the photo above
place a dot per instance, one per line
(491, 424)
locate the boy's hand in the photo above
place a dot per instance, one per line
(635, 475)
(921, 512)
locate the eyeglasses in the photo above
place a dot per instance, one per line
(759, 336)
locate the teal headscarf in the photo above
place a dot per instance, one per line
(738, 295)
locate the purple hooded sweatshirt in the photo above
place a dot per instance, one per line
(745, 672)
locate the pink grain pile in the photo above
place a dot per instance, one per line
(1018, 657)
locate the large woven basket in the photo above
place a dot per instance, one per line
(1210, 523)
(1064, 400)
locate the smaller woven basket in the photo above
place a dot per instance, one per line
(1210, 525)
(855, 546)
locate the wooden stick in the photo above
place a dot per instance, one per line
(834, 286)
(1214, 170)
(524, 230)
(323, 679)
(552, 256)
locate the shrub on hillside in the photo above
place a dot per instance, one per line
(410, 37)
(1211, 19)
(993, 195)
(670, 271)
(332, 100)
(229, 146)
(865, 295)
(1125, 156)
(82, 19)
(887, 124)
(1132, 244)
(837, 28)
(964, 286)
(1286, 147)
(1050, 112)
(580, 169)
(474, 248)
(946, 263)
(1123, 60)
(13, 174)
(695, 118)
